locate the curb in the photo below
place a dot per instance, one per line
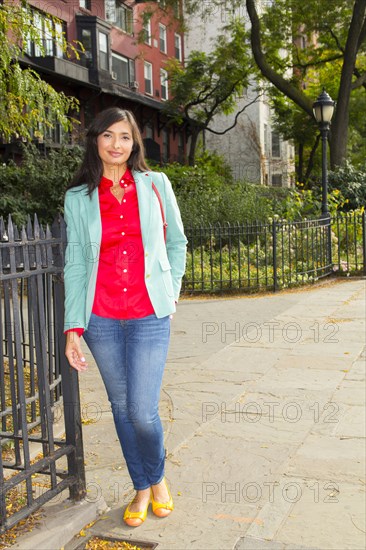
(60, 523)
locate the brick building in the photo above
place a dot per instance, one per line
(116, 68)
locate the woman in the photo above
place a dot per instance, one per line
(123, 273)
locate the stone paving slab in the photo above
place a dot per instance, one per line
(249, 543)
(221, 472)
(329, 457)
(327, 515)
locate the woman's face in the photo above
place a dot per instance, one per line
(115, 144)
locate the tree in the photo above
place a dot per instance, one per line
(28, 103)
(334, 56)
(336, 31)
(209, 84)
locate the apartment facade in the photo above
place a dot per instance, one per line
(254, 150)
(122, 65)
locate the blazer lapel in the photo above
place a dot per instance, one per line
(144, 196)
(94, 219)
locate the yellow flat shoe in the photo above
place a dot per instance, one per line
(162, 509)
(130, 517)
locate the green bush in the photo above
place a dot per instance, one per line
(206, 193)
(351, 182)
(38, 184)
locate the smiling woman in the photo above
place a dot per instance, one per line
(122, 301)
(114, 149)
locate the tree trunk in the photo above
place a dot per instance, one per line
(288, 89)
(193, 146)
(356, 34)
(339, 135)
(311, 159)
(300, 165)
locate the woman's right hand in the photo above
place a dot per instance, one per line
(74, 353)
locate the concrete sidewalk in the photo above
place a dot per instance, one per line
(264, 417)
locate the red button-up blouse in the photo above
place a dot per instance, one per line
(120, 287)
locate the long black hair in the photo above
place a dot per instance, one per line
(91, 169)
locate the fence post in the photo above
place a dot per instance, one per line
(329, 247)
(274, 245)
(70, 383)
(364, 241)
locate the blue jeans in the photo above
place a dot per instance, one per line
(131, 355)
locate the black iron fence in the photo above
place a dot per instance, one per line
(34, 375)
(273, 255)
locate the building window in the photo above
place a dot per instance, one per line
(164, 84)
(147, 32)
(123, 69)
(149, 131)
(86, 40)
(103, 51)
(276, 145)
(165, 148)
(50, 37)
(93, 33)
(162, 38)
(120, 15)
(277, 180)
(86, 4)
(178, 46)
(148, 78)
(124, 18)
(265, 132)
(176, 8)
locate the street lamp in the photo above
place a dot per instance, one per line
(323, 109)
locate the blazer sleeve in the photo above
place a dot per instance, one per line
(75, 267)
(176, 241)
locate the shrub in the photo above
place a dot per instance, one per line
(38, 184)
(351, 182)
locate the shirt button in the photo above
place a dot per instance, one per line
(125, 271)
(125, 185)
(122, 181)
(124, 200)
(122, 233)
(124, 252)
(121, 216)
(125, 290)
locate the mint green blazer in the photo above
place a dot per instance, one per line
(164, 262)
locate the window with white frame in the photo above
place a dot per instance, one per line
(120, 15)
(148, 78)
(147, 32)
(124, 17)
(162, 38)
(50, 36)
(276, 145)
(178, 46)
(103, 51)
(123, 68)
(164, 84)
(86, 4)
